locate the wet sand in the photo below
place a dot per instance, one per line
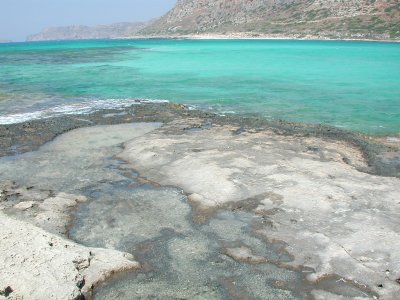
(209, 206)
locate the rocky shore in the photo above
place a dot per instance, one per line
(38, 260)
(310, 197)
(381, 153)
(37, 264)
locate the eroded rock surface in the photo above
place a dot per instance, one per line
(36, 264)
(275, 216)
(42, 208)
(333, 218)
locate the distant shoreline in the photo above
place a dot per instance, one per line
(256, 36)
(227, 36)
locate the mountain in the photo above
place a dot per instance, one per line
(376, 19)
(79, 32)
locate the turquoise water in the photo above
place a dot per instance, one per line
(353, 85)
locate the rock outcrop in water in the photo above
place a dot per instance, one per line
(79, 32)
(300, 18)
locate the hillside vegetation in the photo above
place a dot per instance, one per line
(377, 19)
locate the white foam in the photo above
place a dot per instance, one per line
(217, 109)
(84, 107)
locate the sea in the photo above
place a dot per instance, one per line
(353, 85)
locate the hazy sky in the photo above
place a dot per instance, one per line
(19, 18)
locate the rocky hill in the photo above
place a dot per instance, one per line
(376, 19)
(76, 32)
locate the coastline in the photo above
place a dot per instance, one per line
(258, 36)
(232, 36)
(18, 138)
(325, 154)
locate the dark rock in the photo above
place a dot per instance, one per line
(6, 292)
(80, 297)
(346, 160)
(81, 283)
(312, 149)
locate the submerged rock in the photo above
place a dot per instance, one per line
(244, 254)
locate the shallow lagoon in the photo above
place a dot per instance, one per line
(352, 85)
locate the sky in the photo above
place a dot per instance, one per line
(20, 18)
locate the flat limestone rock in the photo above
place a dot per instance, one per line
(36, 264)
(333, 218)
(51, 213)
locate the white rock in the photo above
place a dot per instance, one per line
(40, 265)
(25, 205)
